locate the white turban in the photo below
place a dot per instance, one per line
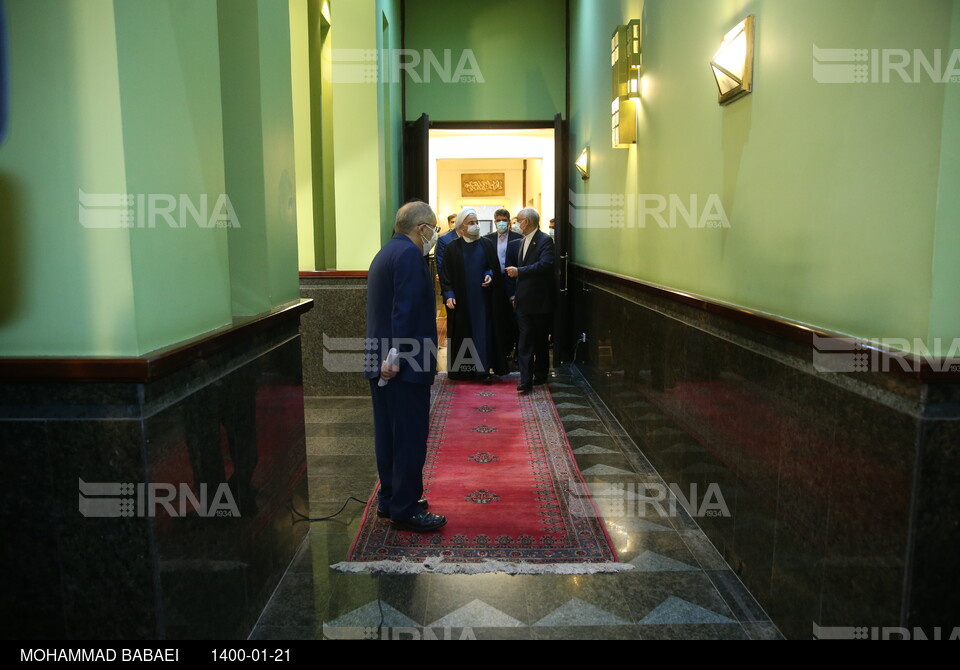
(464, 213)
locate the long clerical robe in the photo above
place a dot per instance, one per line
(476, 326)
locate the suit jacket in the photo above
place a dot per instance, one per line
(511, 236)
(401, 312)
(533, 287)
(442, 243)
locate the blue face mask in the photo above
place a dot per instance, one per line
(502, 226)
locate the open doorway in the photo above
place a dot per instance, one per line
(489, 169)
(440, 157)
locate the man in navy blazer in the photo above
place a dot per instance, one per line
(442, 242)
(502, 237)
(401, 315)
(530, 269)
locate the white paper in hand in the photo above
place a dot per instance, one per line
(392, 357)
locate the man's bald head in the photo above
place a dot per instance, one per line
(412, 215)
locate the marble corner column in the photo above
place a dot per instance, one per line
(102, 559)
(334, 333)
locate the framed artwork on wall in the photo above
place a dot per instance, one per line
(482, 185)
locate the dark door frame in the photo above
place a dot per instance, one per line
(416, 161)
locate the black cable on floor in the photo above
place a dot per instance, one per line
(325, 518)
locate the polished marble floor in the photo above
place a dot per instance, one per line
(681, 588)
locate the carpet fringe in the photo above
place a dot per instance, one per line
(439, 567)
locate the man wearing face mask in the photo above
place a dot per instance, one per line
(530, 271)
(502, 237)
(401, 315)
(471, 282)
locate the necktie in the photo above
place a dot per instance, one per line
(526, 248)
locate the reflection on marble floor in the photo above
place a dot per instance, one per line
(681, 587)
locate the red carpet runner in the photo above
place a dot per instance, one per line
(500, 468)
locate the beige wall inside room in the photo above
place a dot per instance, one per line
(450, 194)
(537, 146)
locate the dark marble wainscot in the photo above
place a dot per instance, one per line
(226, 416)
(334, 332)
(842, 489)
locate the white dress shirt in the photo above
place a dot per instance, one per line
(502, 239)
(526, 244)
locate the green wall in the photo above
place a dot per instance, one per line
(125, 97)
(311, 44)
(301, 98)
(327, 187)
(258, 147)
(944, 306)
(390, 119)
(66, 289)
(243, 149)
(830, 190)
(358, 130)
(279, 170)
(173, 145)
(519, 47)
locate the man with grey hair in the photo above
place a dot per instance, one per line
(530, 269)
(401, 316)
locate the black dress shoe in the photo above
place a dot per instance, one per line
(524, 388)
(385, 514)
(424, 522)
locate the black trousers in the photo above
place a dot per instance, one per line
(401, 423)
(533, 348)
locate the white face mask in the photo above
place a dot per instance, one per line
(502, 226)
(516, 228)
(430, 243)
(473, 230)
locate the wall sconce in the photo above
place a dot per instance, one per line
(733, 63)
(626, 64)
(583, 163)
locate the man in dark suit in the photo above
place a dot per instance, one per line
(530, 269)
(401, 315)
(445, 239)
(502, 237)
